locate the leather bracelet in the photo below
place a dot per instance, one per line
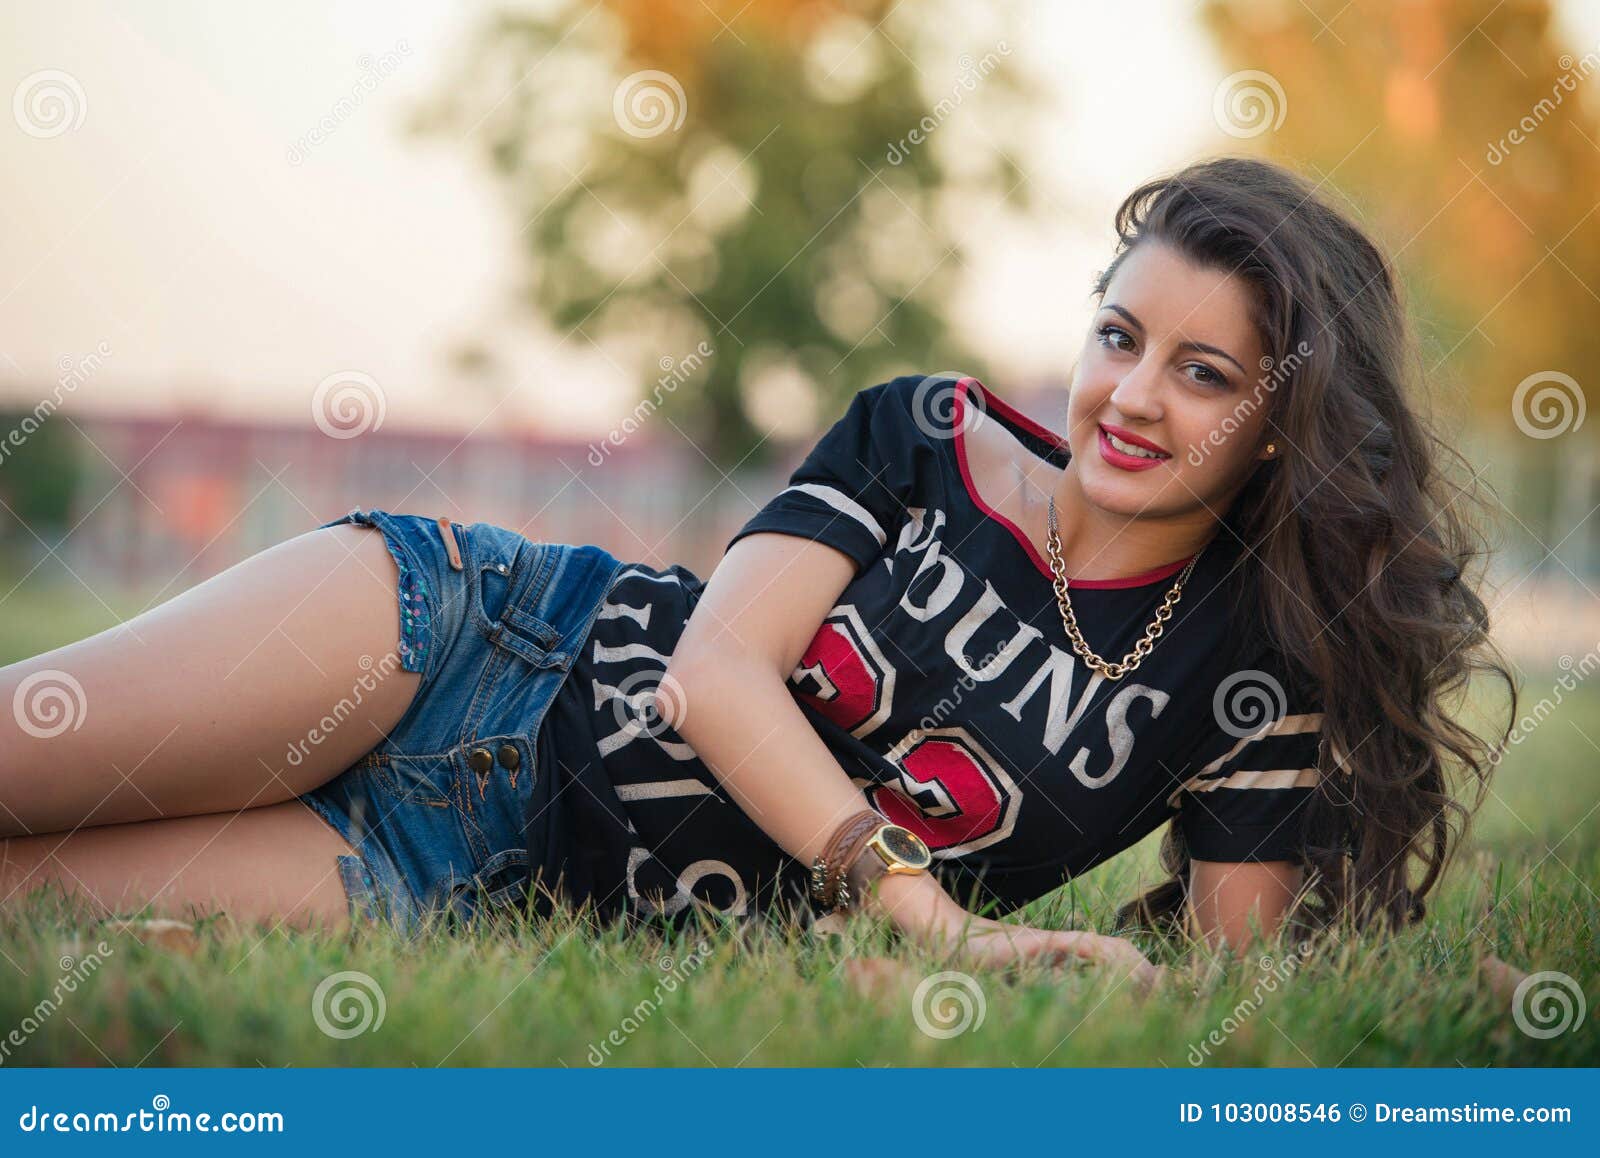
(828, 870)
(836, 856)
(849, 887)
(862, 870)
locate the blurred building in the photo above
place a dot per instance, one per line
(169, 501)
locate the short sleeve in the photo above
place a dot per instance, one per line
(1244, 791)
(852, 490)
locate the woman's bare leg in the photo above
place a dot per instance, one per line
(195, 706)
(261, 864)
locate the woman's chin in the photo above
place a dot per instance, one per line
(1127, 494)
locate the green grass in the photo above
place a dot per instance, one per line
(530, 993)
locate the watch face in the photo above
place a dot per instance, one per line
(906, 846)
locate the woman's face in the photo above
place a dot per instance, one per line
(1172, 362)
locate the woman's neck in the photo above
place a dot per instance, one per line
(1099, 545)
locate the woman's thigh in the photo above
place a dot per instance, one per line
(251, 688)
(278, 863)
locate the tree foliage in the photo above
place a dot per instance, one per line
(1466, 136)
(740, 175)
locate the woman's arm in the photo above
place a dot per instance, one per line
(1223, 896)
(725, 689)
(725, 692)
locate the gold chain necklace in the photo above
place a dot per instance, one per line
(1112, 671)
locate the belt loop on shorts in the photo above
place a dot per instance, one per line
(452, 548)
(535, 576)
(520, 629)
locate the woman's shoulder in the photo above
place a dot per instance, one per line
(1277, 667)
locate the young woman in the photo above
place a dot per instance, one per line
(1231, 599)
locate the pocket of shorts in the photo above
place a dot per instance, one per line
(496, 559)
(503, 880)
(499, 566)
(494, 586)
(415, 779)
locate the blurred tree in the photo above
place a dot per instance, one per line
(778, 180)
(40, 469)
(1467, 134)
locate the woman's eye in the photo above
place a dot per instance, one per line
(1116, 338)
(1112, 336)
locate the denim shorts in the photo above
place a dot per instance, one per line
(492, 621)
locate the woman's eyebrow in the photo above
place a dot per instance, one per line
(1200, 346)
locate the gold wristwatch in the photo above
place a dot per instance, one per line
(889, 850)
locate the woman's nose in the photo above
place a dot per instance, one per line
(1138, 395)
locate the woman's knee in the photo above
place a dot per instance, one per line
(278, 863)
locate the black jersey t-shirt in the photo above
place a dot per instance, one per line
(946, 686)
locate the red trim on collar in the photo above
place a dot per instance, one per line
(998, 405)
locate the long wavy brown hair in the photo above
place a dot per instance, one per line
(1365, 546)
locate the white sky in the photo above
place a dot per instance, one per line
(170, 225)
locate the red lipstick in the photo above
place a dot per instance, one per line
(1121, 459)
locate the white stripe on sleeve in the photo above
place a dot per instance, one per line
(845, 505)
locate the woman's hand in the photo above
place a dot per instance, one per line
(920, 908)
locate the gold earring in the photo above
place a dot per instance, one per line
(1272, 448)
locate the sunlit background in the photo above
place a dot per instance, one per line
(599, 271)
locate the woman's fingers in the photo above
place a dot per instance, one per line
(1095, 947)
(1112, 951)
(997, 943)
(1125, 957)
(1150, 980)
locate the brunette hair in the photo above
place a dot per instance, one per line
(1359, 544)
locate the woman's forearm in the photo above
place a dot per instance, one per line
(744, 725)
(1225, 898)
(726, 693)
(740, 719)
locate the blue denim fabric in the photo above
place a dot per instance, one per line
(493, 643)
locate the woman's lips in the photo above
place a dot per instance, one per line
(1122, 460)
